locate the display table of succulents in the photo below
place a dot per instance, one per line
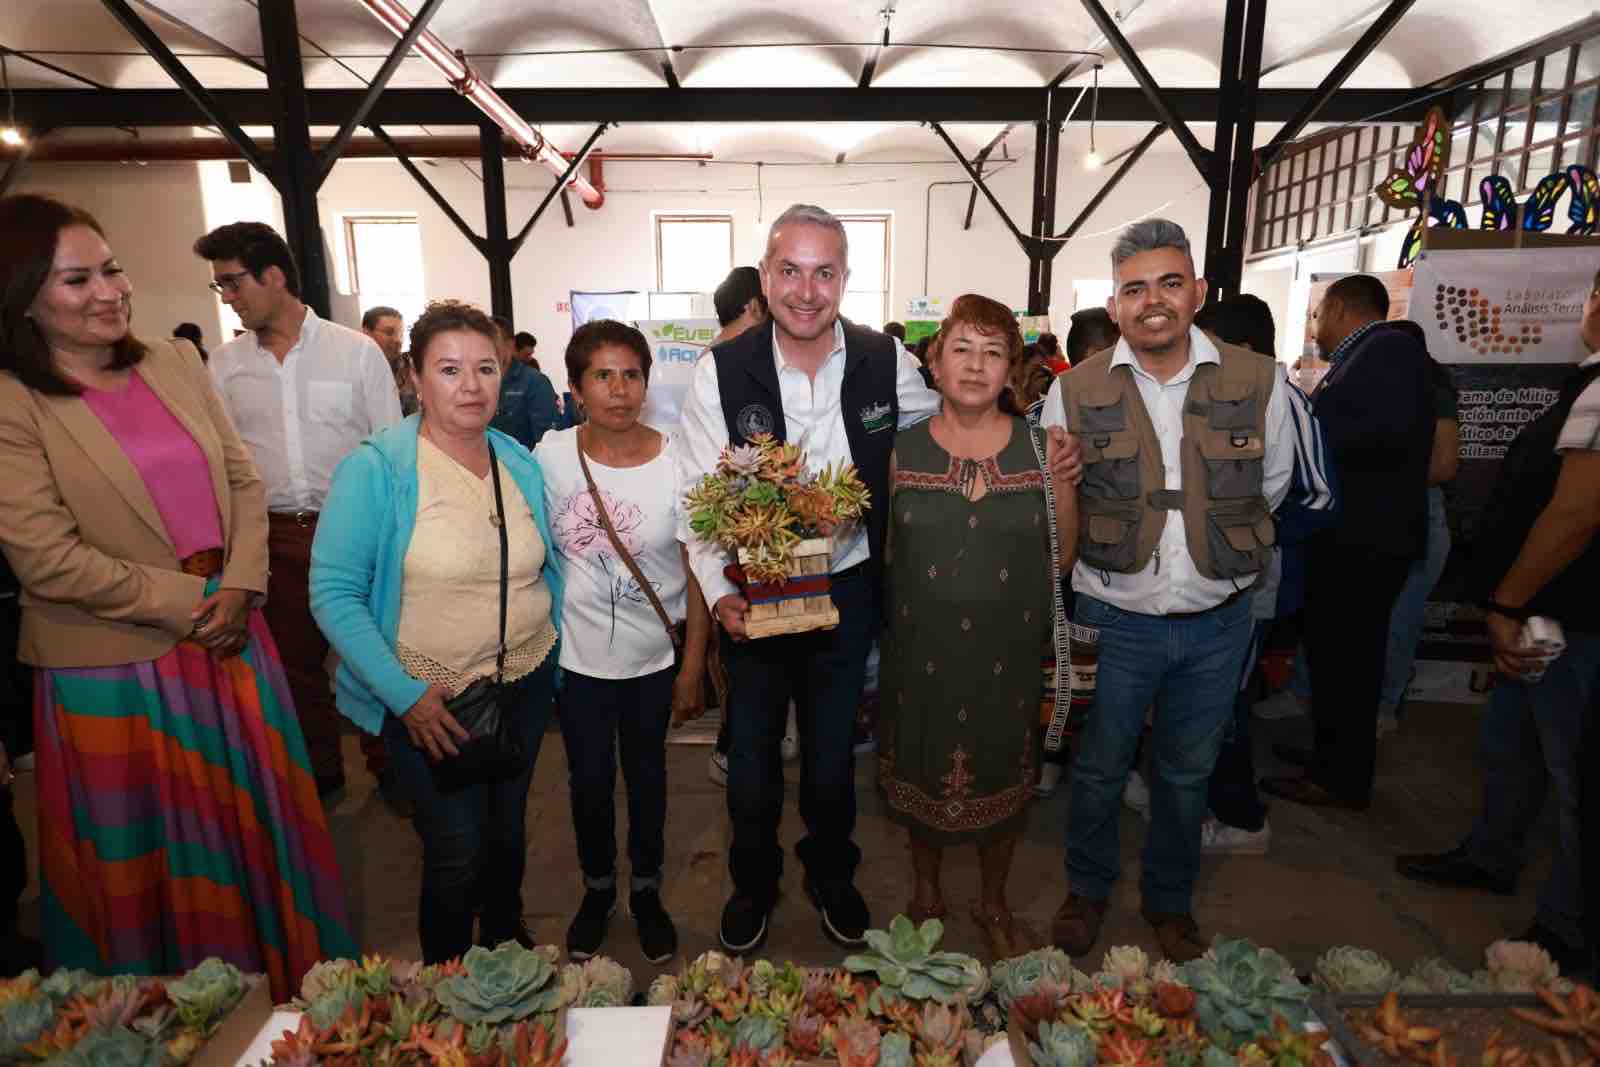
(900, 1003)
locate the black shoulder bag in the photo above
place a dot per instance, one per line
(492, 751)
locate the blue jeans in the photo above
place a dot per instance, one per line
(1189, 667)
(1232, 792)
(1530, 740)
(596, 715)
(1405, 621)
(824, 672)
(473, 846)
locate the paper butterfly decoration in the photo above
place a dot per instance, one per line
(1584, 211)
(1500, 208)
(1426, 160)
(1500, 203)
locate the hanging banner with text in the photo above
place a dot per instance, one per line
(1506, 322)
(675, 345)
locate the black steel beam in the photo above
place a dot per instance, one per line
(497, 246)
(1336, 78)
(442, 107)
(294, 164)
(1230, 264)
(978, 162)
(1128, 160)
(380, 81)
(566, 207)
(63, 71)
(438, 198)
(196, 94)
(647, 17)
(1240, 75)
(559, 187)
(1027, 242)
(1160, 101)
(1047, 149)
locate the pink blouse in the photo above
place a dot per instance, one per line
(173, 468)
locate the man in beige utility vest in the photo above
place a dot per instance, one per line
(1187, 449)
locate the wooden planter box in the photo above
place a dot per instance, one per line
(800, 604)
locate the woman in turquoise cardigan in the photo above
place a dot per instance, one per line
(405, 576)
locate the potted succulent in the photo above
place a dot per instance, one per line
(775, 517)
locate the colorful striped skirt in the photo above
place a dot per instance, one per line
(178, 819)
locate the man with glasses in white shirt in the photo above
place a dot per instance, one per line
(303, 392)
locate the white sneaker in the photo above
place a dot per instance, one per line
(717, 769)
(1219, 839)
(1136, 795)
(1283, 704)
(1049, 780)
(1387, 724)
(791, 748)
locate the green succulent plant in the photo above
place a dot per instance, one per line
(112, 1046)
(904, 960)
(598, 982)
(65, 983)
(758, 1032)
(663, 990)
(895, 1050)
(1344, 969)
(502, 984)
(206, 994)
(1238, 989)
(22, 1020)
(1062, 1045)
(1436, 975)
(325, 977)
(1015, 978)
(326, 1011)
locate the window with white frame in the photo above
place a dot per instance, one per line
(694, 253)
(866, 297)
(385, 257)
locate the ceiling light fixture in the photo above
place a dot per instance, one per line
(1092, 161)
(467, 81)
(9, 134)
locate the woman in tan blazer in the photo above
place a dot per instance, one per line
(178, 818)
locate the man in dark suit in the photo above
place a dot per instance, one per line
(1375, 410)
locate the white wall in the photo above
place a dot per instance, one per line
(154, 213)
(151, 215)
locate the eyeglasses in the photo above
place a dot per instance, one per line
(228, 283)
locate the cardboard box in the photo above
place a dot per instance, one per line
(234, 1037)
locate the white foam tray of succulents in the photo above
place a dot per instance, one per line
(74, 1018)
(491, 1008)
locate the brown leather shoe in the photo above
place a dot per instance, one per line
(1177, 934)
(1077, 924)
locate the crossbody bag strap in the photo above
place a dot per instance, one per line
(505, 563)
(621, 549)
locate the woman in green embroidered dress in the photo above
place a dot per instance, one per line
(972, 610)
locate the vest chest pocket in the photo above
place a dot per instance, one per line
(1233, 464)
(1232, 411)
(1109, 541)
(1239, 541)
(1101, 418)
(1110, 467)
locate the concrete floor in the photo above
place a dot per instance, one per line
(1329, 879)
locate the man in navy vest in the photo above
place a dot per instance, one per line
(838, 391)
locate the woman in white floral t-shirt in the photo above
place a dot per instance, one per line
(616, 651)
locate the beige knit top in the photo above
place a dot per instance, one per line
(450, 599)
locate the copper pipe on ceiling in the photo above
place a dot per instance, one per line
(464, 79)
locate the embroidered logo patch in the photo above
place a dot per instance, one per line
(754, 419)
(875, 417)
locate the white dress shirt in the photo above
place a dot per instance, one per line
(813, 416)
(1169, 583)
(302, 416)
